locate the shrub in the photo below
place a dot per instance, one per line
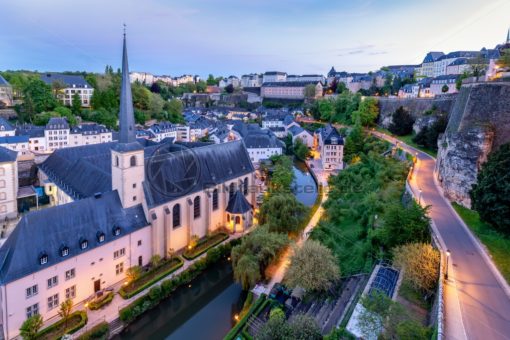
(75, 321)
(102, 301)
(99, 331)
(155, 293)
(402, 122)
(213, 255)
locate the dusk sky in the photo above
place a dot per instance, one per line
(227, 37)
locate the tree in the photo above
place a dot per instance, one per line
(310, 91)
(401, 122)
(275, 328)
(58, 86)
(38, 97)
(420, 262)
(211, 81)
(282, 213)
(259, 247)
(326, 109)
(341, 88)
(354, 143)
(282, 176)
(31, 327)
(174, 109)
(65, 311)
(491, 194)
(304, 327)
(141, 97)
(504, 60)
(312, 267)
(76, 104)
(155, 260)
(300, 149)
(133, 273)
(428, 136)
(445, 88)
(478, 66)
(367, 112)
(229, 88)
(405, 225)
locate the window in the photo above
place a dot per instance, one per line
(100, 237)
(139, 243)
(52, 281)
(71, 292)
(134, 198)
(31, 291)
(116, 161)
(132, 161)
(32, 310)
(134, 185)
(245, 186)
(176, 215)
(43, 259)
(231, 189)
(238, 220)
(64, 251)
(2, 183)
(119, 268)
(70, 274)
(84, 244)
(196, 207)
(119, 253)
(52, 302)
(215, 199)
(116, 230)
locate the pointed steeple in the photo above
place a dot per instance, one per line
(508, 37)
(126, 115)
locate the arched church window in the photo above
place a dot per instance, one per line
(215, 199)
(196, 207)
(176, 215)
(132, 161)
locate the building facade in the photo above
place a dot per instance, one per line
(329, 145)
(69, 86)
(289, 90)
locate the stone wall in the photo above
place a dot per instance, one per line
(479, 123)
(415, 106)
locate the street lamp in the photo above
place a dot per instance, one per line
(447, 257)
(419, 197)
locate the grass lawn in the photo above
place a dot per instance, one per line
(412, 295)
(497, 244)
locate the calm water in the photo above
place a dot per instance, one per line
(204, 311)
(207, 309)
(304, 186)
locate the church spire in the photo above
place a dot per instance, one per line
(508, 37)
(126, 115)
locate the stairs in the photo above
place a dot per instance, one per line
(116, 326)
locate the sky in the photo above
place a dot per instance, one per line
(235, 37)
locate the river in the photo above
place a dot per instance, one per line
(207, 309)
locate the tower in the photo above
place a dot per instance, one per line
(128, 170)
(508, 37)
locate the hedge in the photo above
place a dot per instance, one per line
(255, 308)
(102, 301)
(205, 245)
(167, 287)
(125, 291)
(47, 332)
(100, 331)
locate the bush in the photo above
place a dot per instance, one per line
(213, 255)
(427, 137)
(203, 245)
(76, 321)
(99, 331)
(155, 293)
(102, 301)
(402, 122)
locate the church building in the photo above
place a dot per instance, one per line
(114, 206)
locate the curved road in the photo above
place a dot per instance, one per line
(472, 289)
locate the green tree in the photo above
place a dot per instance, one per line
(38, 97)
(65, 311)
(341, 88)
(404, 225)
(300, 149)
(491, 194)
(367, 112)
(312, 267)
(420, 264)
(174, 109)
(310, 91)
(211, 80)
(401, 122)
(354, 143)
(247, 271)
(31, 327)
(133, 273)
(445, 88)
(304, 327)
(155, 260)
(326, 109)
(282, 176)
(428, 136)
(478, 66)
(76, 104)
(141, 97)
(282, 213)
(275, 328)
(229, 88)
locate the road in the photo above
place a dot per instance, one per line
(472, 289)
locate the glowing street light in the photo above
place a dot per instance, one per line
(448, 253)
(419, 198)
(236, 317)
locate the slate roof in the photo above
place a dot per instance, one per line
(328, 133)
(3, 82)
(432, 56)
(5, 125)
(30, 130)
(289, 83)
(70, 80)
(85, 170)
(289, 119)
(461, 54)
(237, 204)
(274, 73)
(56, 123)
(296, 130)
(47, 231)
(7, 155)
(14, 139)
(89, 129)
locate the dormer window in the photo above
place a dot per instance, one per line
(64, 251)
(84, 244)
(100, 237)
(116, 231)
(43, 259)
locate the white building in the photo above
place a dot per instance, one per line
(251, 80)
(114, 210)
(86, 134)
(330, 146)
(5, 93)
(289, 89)
(260, 143)
(297, 132)
(142, 78)
(162, 130)
(438, 84)
(72, 85)
(8, 183)
(274, 76)
(57, 133)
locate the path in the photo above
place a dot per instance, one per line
(476, 300)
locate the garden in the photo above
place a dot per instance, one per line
(199, 247)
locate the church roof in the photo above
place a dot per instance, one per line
(48, 231)
(126, 114)
(238, 204)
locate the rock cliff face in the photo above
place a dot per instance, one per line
(425, 121)
(479, 123)
(416, 107)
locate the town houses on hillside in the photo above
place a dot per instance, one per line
(69, 86)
